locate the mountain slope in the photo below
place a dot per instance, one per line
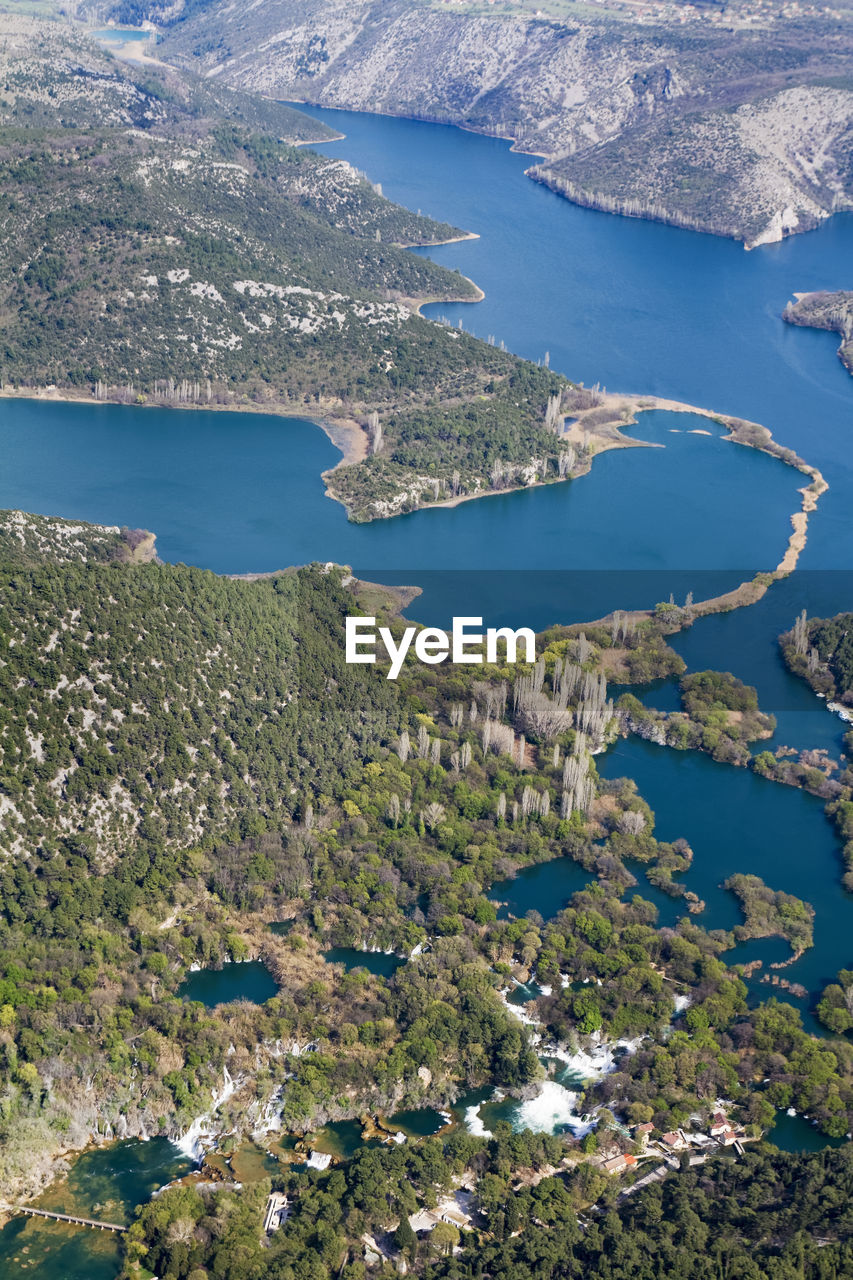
(645, 119)
(163, 244)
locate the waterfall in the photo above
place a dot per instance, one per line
(201, 1132)
(318, 1160)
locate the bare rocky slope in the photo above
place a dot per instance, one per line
(740, 133)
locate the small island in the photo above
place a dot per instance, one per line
(770, 913)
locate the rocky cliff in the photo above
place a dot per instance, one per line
(741, 133)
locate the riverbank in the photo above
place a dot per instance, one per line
(434, 244)
(344, 431)
(595, 434)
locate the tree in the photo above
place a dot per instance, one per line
(405, 1239)
(444, 1237)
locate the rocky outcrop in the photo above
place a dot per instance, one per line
(826, 310)
(742, 134)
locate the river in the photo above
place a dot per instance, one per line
(632, 305)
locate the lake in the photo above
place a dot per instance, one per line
(378, 962)
(629, 304)
(251, 981)
(123, 35)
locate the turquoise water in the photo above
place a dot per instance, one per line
(250, 981)
(545, 887)
(417, 1124)
(795, 1133)
(524, 993)
(631, 305)
(373, 961)
(341, 1138)
(123, 35)
(736, 821)
(107, 1183)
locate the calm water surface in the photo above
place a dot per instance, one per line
(373, 961)
(796, 1133)
(626, 303)
(108, 1184)
(250, 981)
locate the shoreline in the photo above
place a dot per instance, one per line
(605, 436)
(347, 435)
(435, 244)
(593, 202)
(415, 304)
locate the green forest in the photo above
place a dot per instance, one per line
(766, 1215)
(187, 758)
(821, 651)
(167, 243)
(191, 775)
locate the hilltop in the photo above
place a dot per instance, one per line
(733, 125)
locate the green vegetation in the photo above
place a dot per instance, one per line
(771, 913)
(821, 651)
(720, 716)
(499, 440)
(768, 1214)
(187, 757)
(835, 1008)
(166, 245)
(30, 540)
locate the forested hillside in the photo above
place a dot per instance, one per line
(165, 243)
(169, 703)
(185, 758)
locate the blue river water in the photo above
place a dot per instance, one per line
(634, 306)
(627, 303)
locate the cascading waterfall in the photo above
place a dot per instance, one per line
(553, 1107)
(200, 1133)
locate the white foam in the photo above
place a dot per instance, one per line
(318, 1160)
(474, 1122)
(518, 1012)
(553, 1108)
(593, 1063)
(201, 1133)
